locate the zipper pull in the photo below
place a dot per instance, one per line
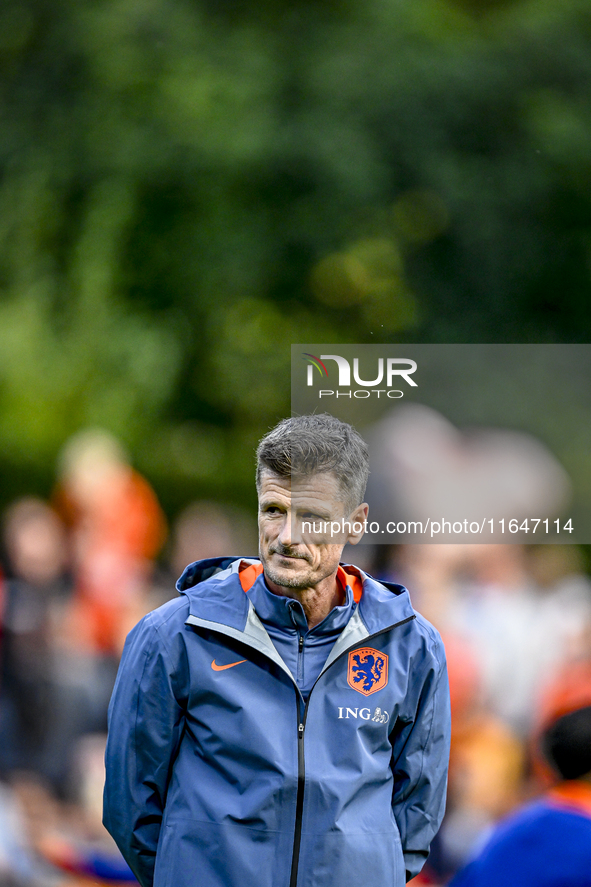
(301, 730)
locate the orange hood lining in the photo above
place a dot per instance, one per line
(249, 573)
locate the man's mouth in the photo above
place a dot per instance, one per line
(289, 556)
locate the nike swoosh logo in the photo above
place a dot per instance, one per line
(224, 667)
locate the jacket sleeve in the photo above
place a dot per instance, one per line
(145, 727)
(420, 760)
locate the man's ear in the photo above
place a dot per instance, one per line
(357, 519)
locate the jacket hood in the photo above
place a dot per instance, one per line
(199, 571)
(214, 592)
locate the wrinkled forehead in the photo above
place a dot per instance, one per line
(303, 491)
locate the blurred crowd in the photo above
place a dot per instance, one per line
(80, 570)
(516, 621)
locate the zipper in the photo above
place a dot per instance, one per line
(297, 838)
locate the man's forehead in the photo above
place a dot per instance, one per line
(321, 485)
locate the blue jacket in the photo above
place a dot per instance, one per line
(218, 774)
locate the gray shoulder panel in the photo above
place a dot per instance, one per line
(255, 635)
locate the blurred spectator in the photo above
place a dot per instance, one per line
(548, 842)
(570, 689)
(434, 575)
(35, 543)
(205, 530)
(36, 592)
(26, 807)
(15, 866)
(487, 764)
(117, 528)
(521, 633)
(78, 842)
(45, 842)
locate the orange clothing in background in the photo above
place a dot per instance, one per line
(115, 539)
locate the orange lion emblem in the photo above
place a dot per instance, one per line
(368, 670)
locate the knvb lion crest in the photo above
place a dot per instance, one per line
(368, 670)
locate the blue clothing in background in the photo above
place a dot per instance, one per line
(545, 844)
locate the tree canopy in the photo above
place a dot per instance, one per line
(189, 187)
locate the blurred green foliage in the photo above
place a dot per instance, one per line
(189, 187)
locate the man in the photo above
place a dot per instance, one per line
(285, 723)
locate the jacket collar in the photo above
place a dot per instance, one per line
(286, 613)
(215, 594)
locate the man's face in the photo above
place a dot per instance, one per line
(293, 558)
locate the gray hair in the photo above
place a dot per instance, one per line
(305, 445)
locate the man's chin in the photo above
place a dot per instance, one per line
(288, 577)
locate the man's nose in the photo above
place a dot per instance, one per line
(289, 533)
